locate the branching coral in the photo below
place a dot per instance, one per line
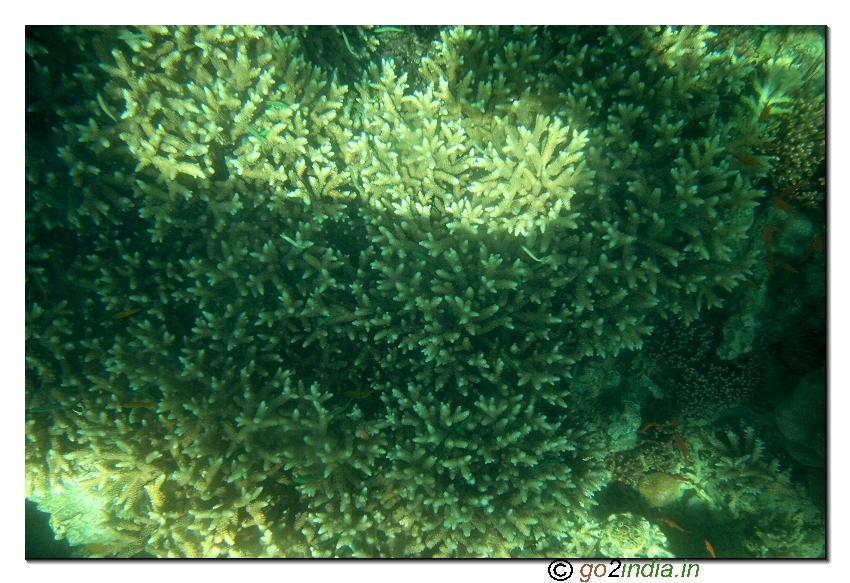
(782, 521)
(341, 320)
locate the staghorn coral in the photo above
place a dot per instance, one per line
(788, 108)
(731, 488)
(780, 519)
(322, 319)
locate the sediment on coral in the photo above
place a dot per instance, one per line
(272, 311)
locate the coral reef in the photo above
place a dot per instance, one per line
(779, 518)
(279, 309)
(727, 489)
(689, 364)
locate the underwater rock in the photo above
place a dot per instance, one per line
(802, 419)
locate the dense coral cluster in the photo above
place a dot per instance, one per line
(271, 313)
(779, 518)
(727, 485)
(790, 106)
(689, 367)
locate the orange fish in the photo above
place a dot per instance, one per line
(727, 325)
(750, 298)
(769, 146)
(752, 282)
(139, 405)
(768, 237)
(817, 245)
(710, 549)
(746, 160)
(358, 394)
(126, 313)
(765, 113)
(674, 421)
(768, 263)
(649, 426)
(789, 190)
(771, 228)
(363, 434)
(682, 478)
(680, 441)
(674, 525)
(789, 267)
(783, 205)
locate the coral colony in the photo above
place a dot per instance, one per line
(381, 291)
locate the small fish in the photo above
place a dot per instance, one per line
(674, 525)
(511, 363)
(46, 408)
(105, 108)
(765, 113)
(680, 441)
(783, 205)
(817, 245)
(746, 160)
(530, 254)
(330, 317)
(389, 30)
(649, 426)
(260, 138)
(767, 235)
(752, 283)
(768, 263)
(727, 325)
(769, 145)
(682, 478)
(276, 104)
(293, 242)
(789, 267)
(675, 422)
(772, 228)
(750, 298)
(363, 434)
(139, 405)
(358, 394)
(787, 191)
(710, 549)
(132, 36)
(126, 313)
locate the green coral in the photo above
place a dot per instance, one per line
(776, 514)
(341, 320)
